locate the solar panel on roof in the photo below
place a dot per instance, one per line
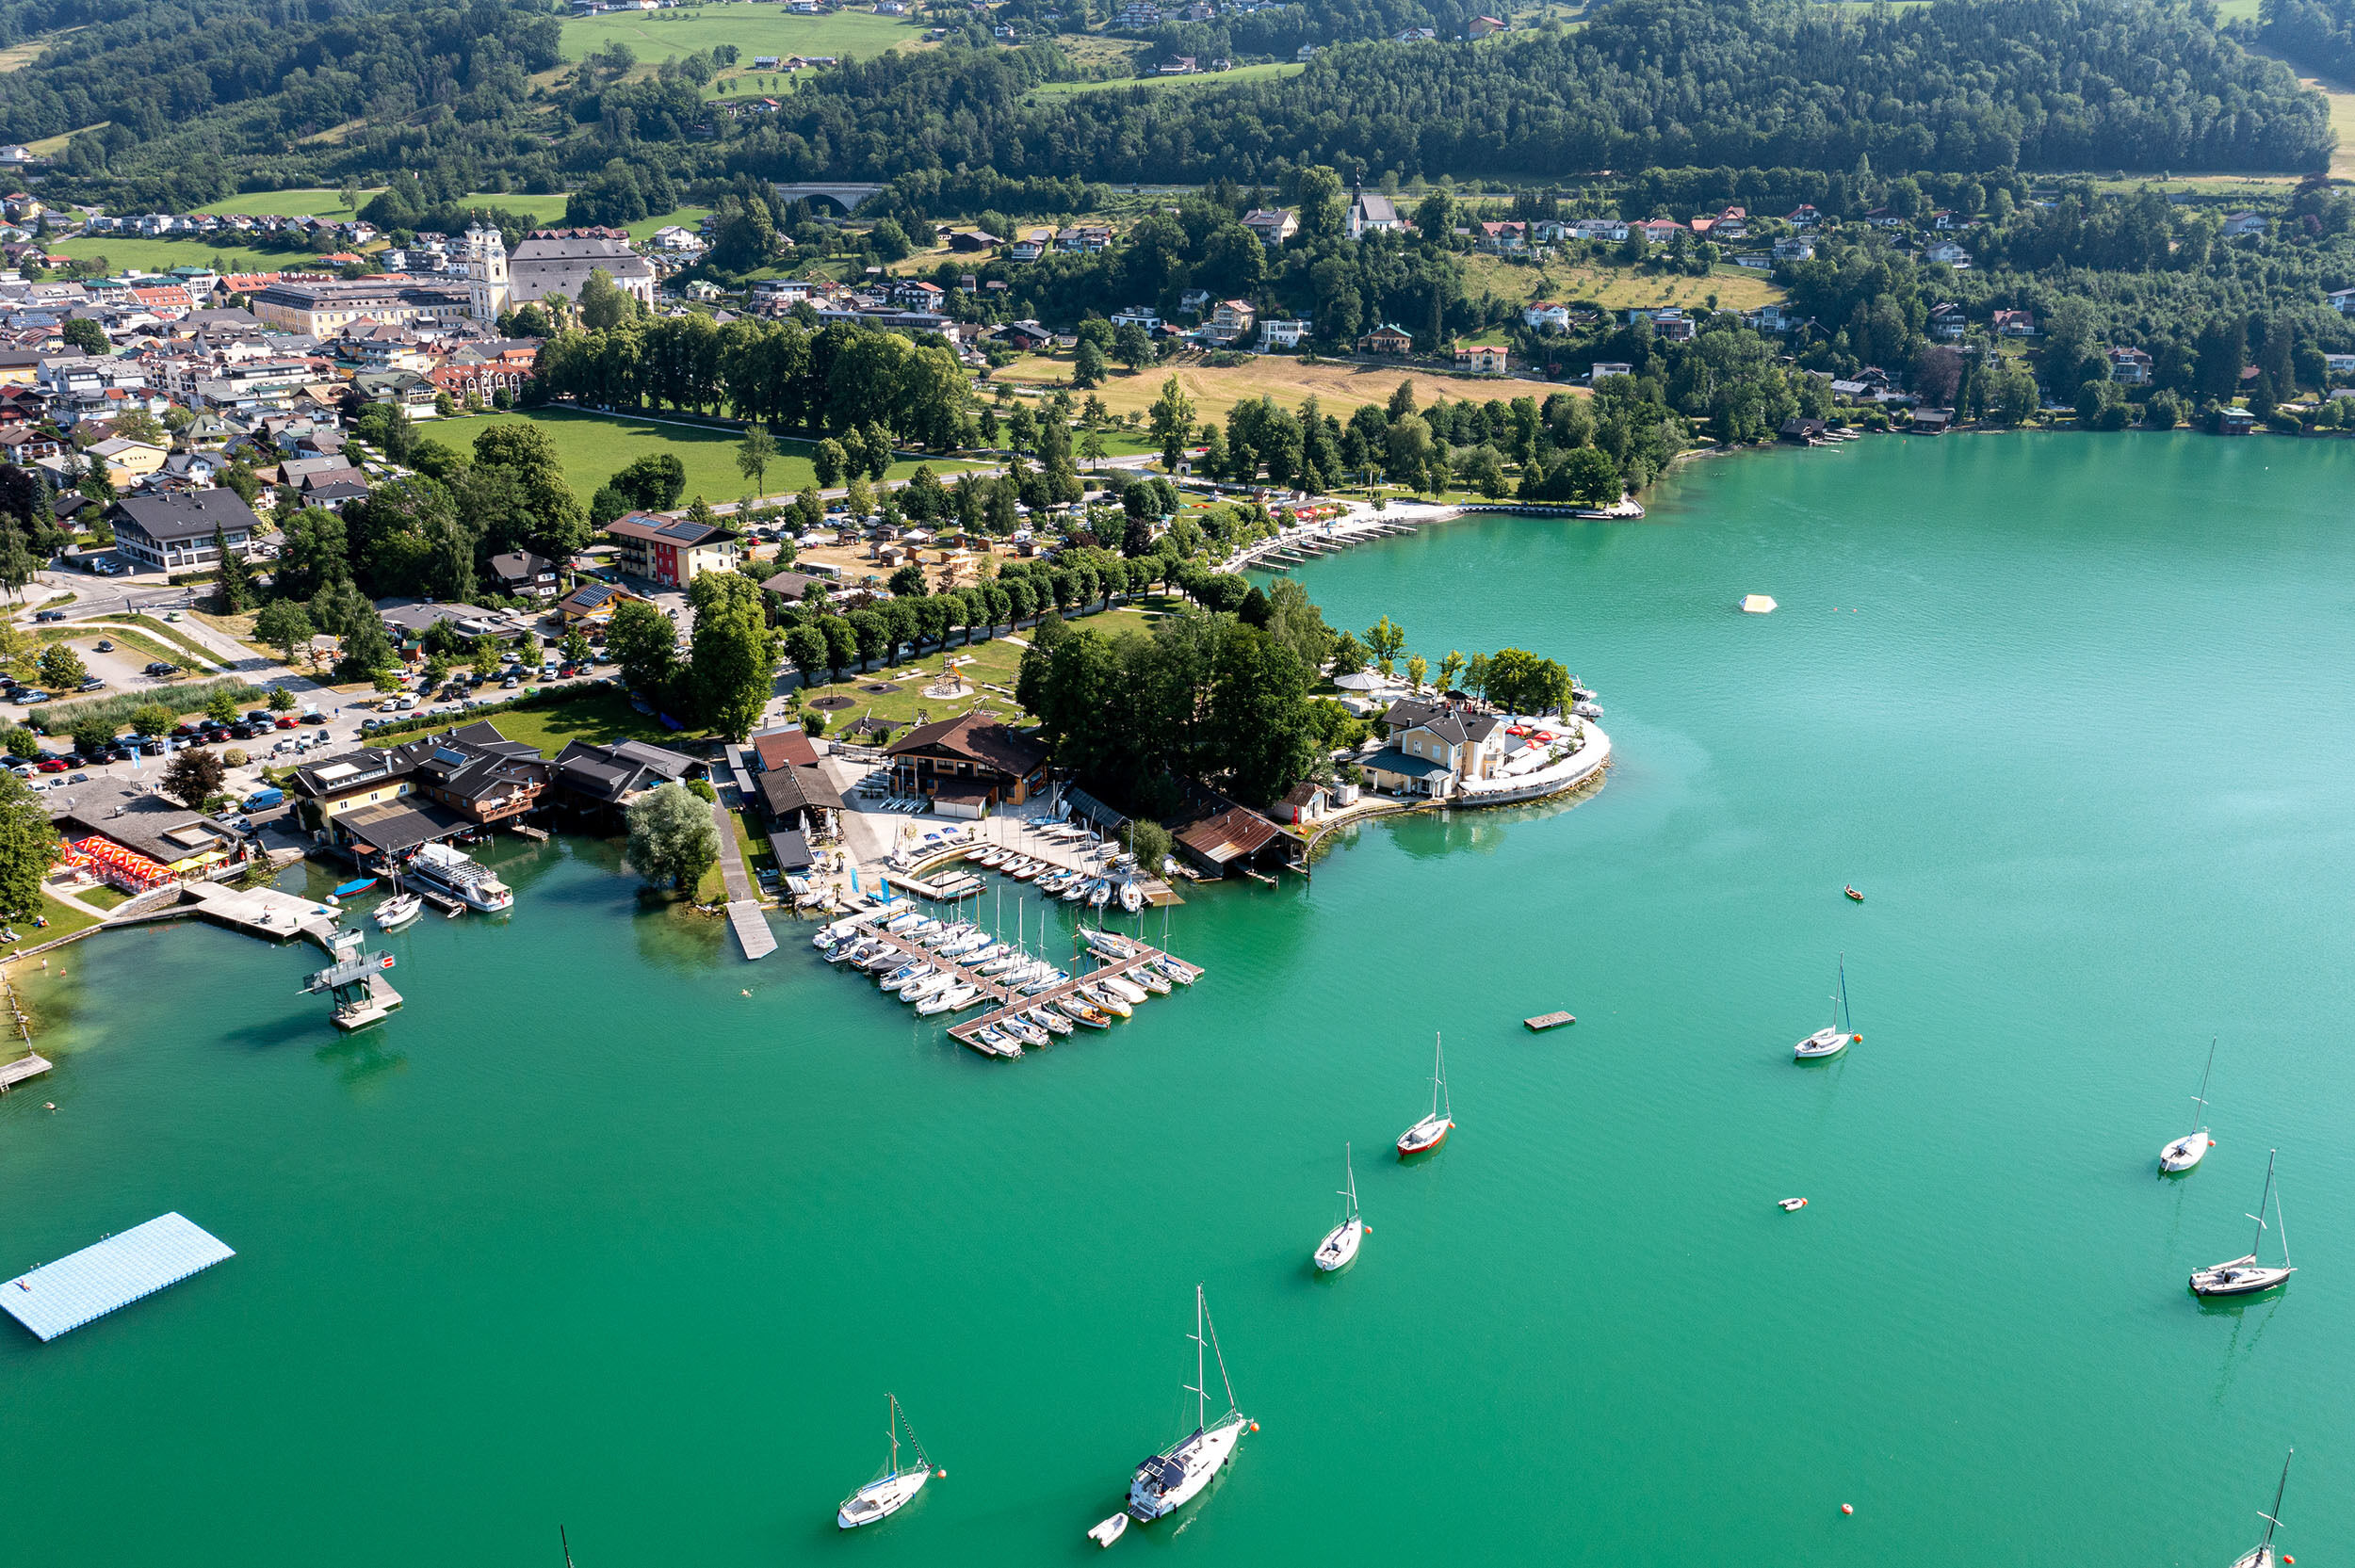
(449, 756)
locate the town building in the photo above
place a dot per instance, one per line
(967, 765)
(558, 260)
(172, 531)
(1481, 359)
(1274, 225)
(524, 575)
(385, 801)
(1433, 745)
(671, 551)
(323, 307)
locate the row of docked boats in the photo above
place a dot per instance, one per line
(1072, 885)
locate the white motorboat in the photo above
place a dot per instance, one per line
(1022, 871)
(2190, 1149)
(950, 1001)
(2262, 1555)
(1132, 896)
(2246, 1276)
(399, 910)
(1123, 987)
(1338, 1249)
(1177, 1475)
(1839, 1036)
(892, 1491)
(454, 872)
(1429, 1133)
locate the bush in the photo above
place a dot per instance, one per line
(61, 718)
(703, 790)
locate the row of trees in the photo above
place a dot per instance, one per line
(779, 373)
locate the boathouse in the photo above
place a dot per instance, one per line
(800, 798)
(1219, 834)
(388, 800)
(967, 764)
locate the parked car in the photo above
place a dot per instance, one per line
(160, 668)
(79, 778)
(511, 682)
(93, 684)
(285, 720)
(314, 718)
(51, 764)
(49, 615)
(258, 715)
(105, 645)
(261, 799)
(32, 695)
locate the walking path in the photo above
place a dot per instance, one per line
(752, 932)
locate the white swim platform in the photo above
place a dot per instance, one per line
(57, 1298)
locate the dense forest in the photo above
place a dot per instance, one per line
(2318, 34)
(1956, 85)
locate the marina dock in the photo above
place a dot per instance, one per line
(1546, 1020)
(262, 911)
(58, 1297)
(21, 1070)
(752, 932)
(1008, 1000)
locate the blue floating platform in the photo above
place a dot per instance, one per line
(58, 1297)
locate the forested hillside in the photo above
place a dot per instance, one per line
(2318, 34)
(1956, 84)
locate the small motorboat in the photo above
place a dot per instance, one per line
(1110, 1530)
(1852, 892)
(399, 911)
(1790, 1205)
(357, 885)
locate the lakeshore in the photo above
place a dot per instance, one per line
(435, 1221)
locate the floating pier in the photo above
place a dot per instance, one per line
(752, 932)
(19, 1071)
(58, 1297)
(1545, 1021)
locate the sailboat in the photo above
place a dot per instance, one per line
(1831, 1041)
(2246, 1276)
(1338, 1249)
(890, 1492)
(2190, 1149)
(1171, 1479)
(1429, 1133)
(2262, 1555)
(398, 910)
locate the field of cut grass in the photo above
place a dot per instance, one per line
(995, 664)
(1617, 287)
(1268, 71)
(1338, 387)
(2340, 94)
(49, 147)
(754, 29)
(595, 446)
(600, 715)
(18, 56)
(289, 204)
(686, 217)
(119, 252)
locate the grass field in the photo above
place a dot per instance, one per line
(686, 217)
(995, 664)
(17, 56)
(601, 713)
(1270, 71)
(595, 446)
(162, 255)
(1338, 387)
(2338, 93)
(289, 204)
(754, 29)
(50, 147)
(64, 920)
(1617, 287)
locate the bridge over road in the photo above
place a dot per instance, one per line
(847, 197)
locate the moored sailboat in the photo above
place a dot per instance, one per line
(1338, 1249)
(2246, 1276)
(2190, 1149)
(2262, 1555)
(1839, 1036)
(1429, 1133)
(890, 1492)
(1175, 1476)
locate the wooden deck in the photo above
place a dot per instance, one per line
(17, 1072)
(752, 932)
(1548, 1021)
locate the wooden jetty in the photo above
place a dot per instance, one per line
(1545, 1021)
(752, 932)
(19, 1071)
(1008, 1000)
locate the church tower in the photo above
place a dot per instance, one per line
(486, 273)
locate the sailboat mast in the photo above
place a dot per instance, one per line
(891, 1429)
(2273, 1520)
(1439, 1075)
(1201, 1384)
(565, 1541)
(2262, 1198)
(2199, 1101)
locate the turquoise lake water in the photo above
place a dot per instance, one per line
(587, 1237)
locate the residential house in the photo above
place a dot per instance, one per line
(1031, 245)
(1482, 25)
(1607, 230)
(1662, 231)
(2014, 323)
(1416, 34)
(1481, 359)
(2244, 223)
(671, 551)
(1803, 216)
(1434, 745)
(591, 604)
(522, 575)
(1233, 318)
(2341, 299)
(1507, 238)
(793, 587)
(1276, 333)
(964, 766)
(1084, 238)
(2131, 366)
(1177, 65)
(1794, 247)
(1193, 302)
(170, 531)
(1947, 254)
(127, 462)
(1667, 321)
(1386, 339)
(1947, 323)
(1603, 370)
(1769, 318)
(1274, 225)
(1539, 314)
(1137, 315)
(384, 801)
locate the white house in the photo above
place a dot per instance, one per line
(2244, 223)
(1138, 315)
(1540, 314)
(1276, 333)
(1604, 369)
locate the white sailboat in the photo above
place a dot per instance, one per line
(2246, 1276)
(1831, 1041)
(1172, 1478)
(1429, 1133)
(2190, 1149)
(1338, 1249)
(890, 1492)
(2262, 1555)
(399, 910)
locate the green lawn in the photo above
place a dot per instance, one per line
(1270, 71)
(602, 714)
(64, 920)
(754, 29)
(686, 217)
(312, 202)
(594, 446)
(546, 208)
(104, 896)
(995, 663)
(89, 631)
(162, 255)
